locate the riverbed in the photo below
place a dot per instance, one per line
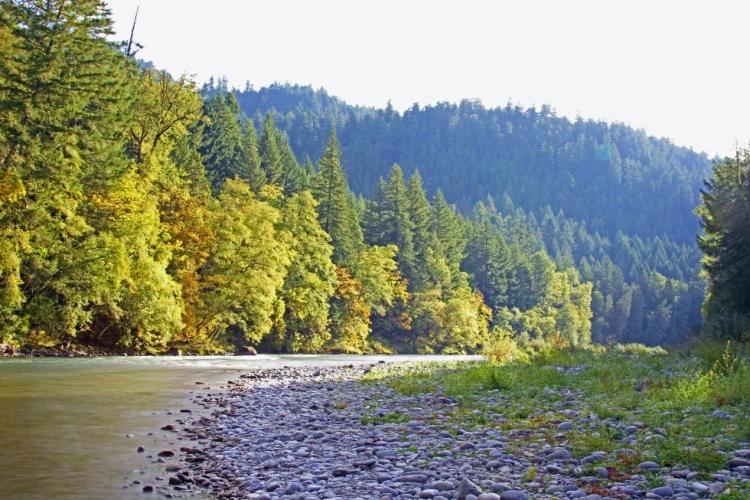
(70, 428)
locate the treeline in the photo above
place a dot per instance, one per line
(133, 213)
(645, 290)
(603, 198)
(612, 176)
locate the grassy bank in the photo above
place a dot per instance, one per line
(683, 410)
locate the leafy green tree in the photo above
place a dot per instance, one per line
(373, 286)
(66, 100)
(242, 278)
(310, 280)
(458, 323)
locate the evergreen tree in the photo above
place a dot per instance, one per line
(337, 217)
(424, 240)
(271, 161)
(222, 142)
(725, 217)
(373, 222)
(292, 175)
(397, 225)
(248, 168)
(449, 231)
(487, 259)
(66, 100)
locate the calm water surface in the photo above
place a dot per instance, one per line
(64, 423)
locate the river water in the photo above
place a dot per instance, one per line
(69, 428)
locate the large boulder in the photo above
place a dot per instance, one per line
(7, 350)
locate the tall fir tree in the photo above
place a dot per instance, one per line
(248, 168)
(222, 138)
(271, 161)
(397, 224)
(725, 217)
(337, 216)
(423, 238)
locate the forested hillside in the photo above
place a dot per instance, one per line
(604, 198)
(138, 213)
(612, 176)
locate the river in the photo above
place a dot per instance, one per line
(69, 428)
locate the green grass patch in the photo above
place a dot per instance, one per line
(676, 392)
(389, 418)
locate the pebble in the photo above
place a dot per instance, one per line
(301, 433)
(514, 495)
(663, 491)
(648, 466)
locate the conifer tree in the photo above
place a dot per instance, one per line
(248, 168)
(222, 141)
(449, 230)
(725, 217)
(66, 100)
(487, 259)
(424, 239)
(271, 161)
(373, 222)
(337, 216)
(397, 225)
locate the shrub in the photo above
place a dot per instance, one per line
(638, 349)
(502, 348)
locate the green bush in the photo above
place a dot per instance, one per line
(502, 348)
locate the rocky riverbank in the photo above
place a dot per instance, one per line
(322, 433)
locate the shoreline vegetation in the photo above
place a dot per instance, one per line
(142, 213)
(615, 423)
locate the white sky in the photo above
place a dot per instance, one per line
(677, 68)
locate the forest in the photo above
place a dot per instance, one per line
(141, 212)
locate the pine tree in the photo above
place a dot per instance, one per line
(424, 240)
(271, 161)
(449, 230)
(248, 168)
(487, 259)
(397, 225)
(337, 217)
(725, 217)
(67, 96)
(222, 141)
(292, 175)
(374, 219)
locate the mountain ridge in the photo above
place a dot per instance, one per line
(583, 165)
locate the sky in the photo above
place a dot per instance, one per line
(676, 68)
